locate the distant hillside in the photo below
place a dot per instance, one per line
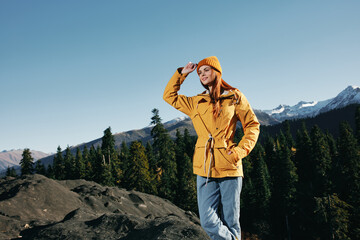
(265, 119)
(143, 135)
(12, 158)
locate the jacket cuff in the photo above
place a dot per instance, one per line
(181, 77)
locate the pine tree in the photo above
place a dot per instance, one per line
(349, 161)
(138, 171)
(332, 147)
(239, 133)
(80, 171)
(96, 158)
(87, 162)
(357, 124)
(270, 158)
(189, 144)
(124, 164)
(164, 154)
(334, 170)
(321, 159)
(319, 173)
(108, 143)
(111, 155)
(287, 132)
(247, 197)
(116, 171)
(186, 191)
(27, 162)
(152, 167)
(349, 158)
(305, 225)
(284, 195)
(40, 168)
(99, 162)
(106, 174)
(101, 167)
(150, 156)
(179, 155)
(108, 146)
(8, 171)
(92, 155)
(332, 216)
(50, 172)
(287, 173)
(69, 163)
(261, 191)
(58, 165)
(303, 160)
(188, 186)
(11, 172)
(261, 180)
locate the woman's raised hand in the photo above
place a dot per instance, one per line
(189, 68)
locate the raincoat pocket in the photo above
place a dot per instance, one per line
(225, 161)
(200, 120)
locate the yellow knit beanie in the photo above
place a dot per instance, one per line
(211, 61)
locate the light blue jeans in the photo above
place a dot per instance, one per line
(221, 193)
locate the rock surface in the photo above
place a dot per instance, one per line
(36, 207)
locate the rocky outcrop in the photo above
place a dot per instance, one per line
(35, 207)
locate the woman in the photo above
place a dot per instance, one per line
(217, 159)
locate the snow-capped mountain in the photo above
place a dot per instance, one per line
(303, 109)
(350, 95)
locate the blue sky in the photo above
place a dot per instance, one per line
(70, 69)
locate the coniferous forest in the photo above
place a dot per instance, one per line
(297, 186)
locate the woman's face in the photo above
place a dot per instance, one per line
(207, 75)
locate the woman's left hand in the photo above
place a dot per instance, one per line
(232, 151)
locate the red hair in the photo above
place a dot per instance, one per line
(218, 86)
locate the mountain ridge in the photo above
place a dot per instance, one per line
(303, 109)
(349, 95)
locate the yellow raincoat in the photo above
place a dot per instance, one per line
(215, 136)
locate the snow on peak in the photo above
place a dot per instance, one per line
(179, 119)
(349, 91)
(281, 108)
(352, 87)
(349, 95)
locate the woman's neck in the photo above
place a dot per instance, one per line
(210, 88)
